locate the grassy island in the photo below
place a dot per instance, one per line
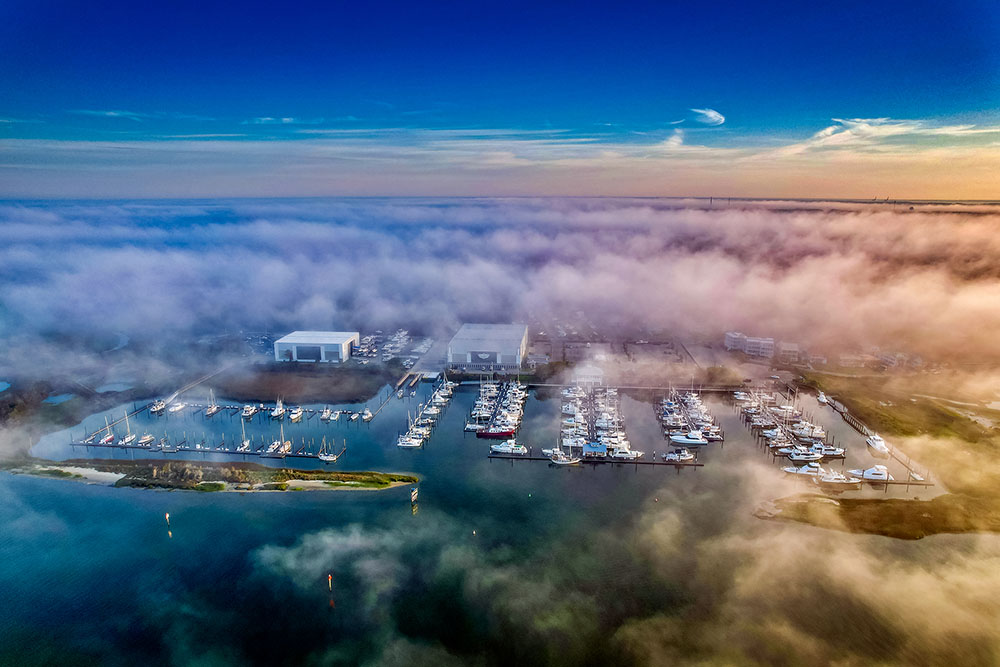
(206, 476)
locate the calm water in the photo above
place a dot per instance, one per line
(500, 562)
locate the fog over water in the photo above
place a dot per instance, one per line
(566, 566)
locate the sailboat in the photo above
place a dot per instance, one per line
(213, 407)
(279, 448)
(279, 410)
(245, 443)
(129, 437)
(146, 440)
(110, 437)
(325, 456)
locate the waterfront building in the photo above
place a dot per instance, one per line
(316, 346)
(488, 347)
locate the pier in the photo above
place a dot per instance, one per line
(600, 461)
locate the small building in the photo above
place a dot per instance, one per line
(736, 341)
(488, 347)
(593, 450)
(759, 347)
(316, 346)
(588, 376)
(789, 353)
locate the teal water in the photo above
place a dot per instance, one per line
(56, 399)
(501, 563)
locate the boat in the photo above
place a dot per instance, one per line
(168, 448)
(407, 440)
(508, 447)
(245, 443)
(249, 410)
(296, 414)
(335, 416)
(689, 438)
(680, 455)
(279, 448)
(325, 456)
(109, 437)
(473, 427)
(496, 432)
(279, 410)
(561, 458)
(176, 407)
(878, 446)
(326, 415)
(158, 406)
(146, 440)
(129, 436)
(837, 481)
(399, 393)
(354, 417)
(877, 473)
(822, 399)
(810, 469)
(626, 454)
(367, 415)
(213, 407)
(804, 456)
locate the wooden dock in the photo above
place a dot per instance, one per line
(598, 461)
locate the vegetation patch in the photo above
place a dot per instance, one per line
(891, 517)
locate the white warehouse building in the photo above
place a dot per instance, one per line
(488, 347)
(316, 346)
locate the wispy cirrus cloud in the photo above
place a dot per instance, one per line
(708, 117)
(283, 120)
(140, 115)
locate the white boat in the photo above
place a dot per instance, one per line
(326, 415)
(158, 406)
(836, 481)
(472, 427)
(399, 394)
(804, 456)
(279, 448)
(249, 410)
(408, 441)
(279, 410)
(809, 470)
(213, 407)
(822, 399)
(296, 414)
(129, 436)
(325, 456)
(508, 447)
(146, 440)
(681, 455)
(689, 438)
(878, 446)
(336, 416)
(245, 443)
(626, 454)
(367, 415)
(561, 458)
(877, 473)
(176, 407)
(354, 417)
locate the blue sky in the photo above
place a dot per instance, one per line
(545, 91)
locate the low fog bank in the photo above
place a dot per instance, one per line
(688, 579)
(830, 275)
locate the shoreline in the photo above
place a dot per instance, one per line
(190, 476)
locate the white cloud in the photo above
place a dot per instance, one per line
(709, 117)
